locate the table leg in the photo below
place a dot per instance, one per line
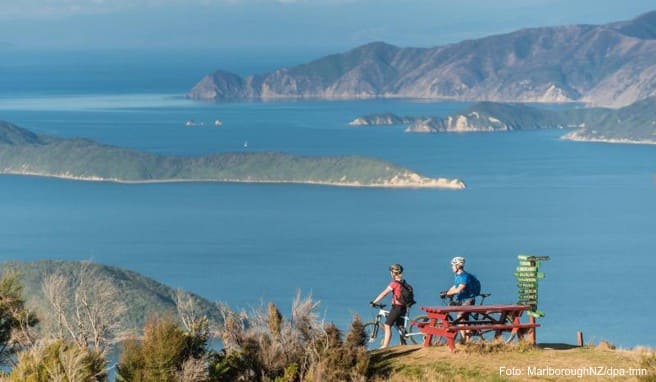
(531, 320)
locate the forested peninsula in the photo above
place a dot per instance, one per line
(23, 152)
(635, 123)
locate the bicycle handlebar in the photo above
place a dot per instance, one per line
(378, 306)
(448, 300)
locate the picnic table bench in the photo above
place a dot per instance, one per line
(497, 320)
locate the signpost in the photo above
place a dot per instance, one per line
(527, 276)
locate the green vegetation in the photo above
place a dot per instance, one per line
(165, 352)
(139, 297)
(59, 360)
(264, 345)
(22, 152)
(635, 123)
(16, 321)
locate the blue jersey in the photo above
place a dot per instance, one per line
(463, 278)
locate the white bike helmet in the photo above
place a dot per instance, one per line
(458, 261)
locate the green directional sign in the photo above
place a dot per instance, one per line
(528, 297)
(532, 258)
(527, 269)
(528, 302)
(525, 286)
(527, 281)
(529, 274)
(527, 277)
(528, 292)
(527, 263)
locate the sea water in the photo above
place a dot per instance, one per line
(590, 207)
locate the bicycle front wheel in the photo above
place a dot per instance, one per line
(373, 337)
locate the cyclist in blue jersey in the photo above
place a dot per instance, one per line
(461, 289)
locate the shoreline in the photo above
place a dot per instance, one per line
(423, 183)
(575, 138)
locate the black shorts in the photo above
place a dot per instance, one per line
(394, 318)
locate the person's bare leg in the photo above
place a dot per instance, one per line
(388, 336)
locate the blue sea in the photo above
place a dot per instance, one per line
(590, 207)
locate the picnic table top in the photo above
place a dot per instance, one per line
(475, 308)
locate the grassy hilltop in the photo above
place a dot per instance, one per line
(510, 363)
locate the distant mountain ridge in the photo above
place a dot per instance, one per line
(612, 65)
(24, 153)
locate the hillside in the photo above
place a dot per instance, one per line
(491, 116)
(517, 363)
(606, 65)
(25, 153)
(143, 297)
(635, 123)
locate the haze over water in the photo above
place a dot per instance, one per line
(588, 206)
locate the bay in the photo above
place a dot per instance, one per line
(590, 207)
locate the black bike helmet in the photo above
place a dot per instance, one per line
(396, 268)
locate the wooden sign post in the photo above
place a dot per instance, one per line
(527, 276)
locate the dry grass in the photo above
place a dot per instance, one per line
(484, 362)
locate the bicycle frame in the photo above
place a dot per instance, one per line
(403, 330)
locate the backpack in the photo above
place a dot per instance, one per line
(474, 285)
(407, 296)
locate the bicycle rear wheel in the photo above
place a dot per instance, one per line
(372, 333)
(416, 337)
(490, 335)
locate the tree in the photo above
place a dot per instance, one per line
(86, 308)
(16, 322)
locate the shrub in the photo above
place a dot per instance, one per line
(263, 346)
(166, 354)
(60, 360)
(648, 362)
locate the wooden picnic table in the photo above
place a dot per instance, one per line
(447, 321)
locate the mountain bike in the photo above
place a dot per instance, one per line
(374, 329)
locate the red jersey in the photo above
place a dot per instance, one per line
(396, 292)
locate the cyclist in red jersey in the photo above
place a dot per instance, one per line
(398, 309)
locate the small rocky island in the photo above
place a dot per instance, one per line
(635, 123)
(384, 119)
(23, 152)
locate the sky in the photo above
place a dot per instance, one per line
(284, 25)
